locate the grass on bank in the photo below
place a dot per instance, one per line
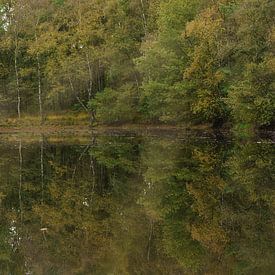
(82, 120)
(59, 119)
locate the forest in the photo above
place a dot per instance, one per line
(149, 176)
(140, 61)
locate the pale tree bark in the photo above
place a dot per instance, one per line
(13, 21)
(143, 16)
(90, 88)
(77, 97)
(42, 228)
(99, 75)
(149, 240)
(17, 76)
(79, 12)
(39, 81)
(92, 169)
(39, 90)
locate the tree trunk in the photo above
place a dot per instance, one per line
(77, 97)
(143, 17)
(149, 240)
(17, 77)
(39, 85)
(39, 90)
(90, 77)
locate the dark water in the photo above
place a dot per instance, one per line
(136, 205)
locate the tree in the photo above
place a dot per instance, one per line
(164, 93)
(251, 95)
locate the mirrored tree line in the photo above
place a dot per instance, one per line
(137, 205)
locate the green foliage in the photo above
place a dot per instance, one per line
(59, 2)
(252, 99)
(176, 61)
(165, 96)
(116, 106)
(215, 203)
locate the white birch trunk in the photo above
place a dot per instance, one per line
(17, 77)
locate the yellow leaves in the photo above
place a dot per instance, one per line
(207, 26)
(216, 79)
(203, 158)
(45, 43)
(206, 192)
(211, 234)
(272, 37)
(26, 72)
(6, 42)
(205, 102)
(270, 64)
(206, 195)
(206, 33)
(59, 170)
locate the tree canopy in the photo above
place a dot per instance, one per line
(157, 61)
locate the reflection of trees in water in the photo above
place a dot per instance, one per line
(214, 204)
(137, 205)
(80, 210)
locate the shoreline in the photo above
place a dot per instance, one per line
(99, 128)
(82, 128)
(79, 123)
(84, 133)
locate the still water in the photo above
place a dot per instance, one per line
(136, 204)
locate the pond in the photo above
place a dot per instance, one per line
(136, 204)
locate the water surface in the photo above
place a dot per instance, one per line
(136, 204)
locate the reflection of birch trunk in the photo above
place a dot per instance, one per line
(92, 166)
(20, 179)
(149, 240)
(42, 165)
(92, 169)
(79, 159)
(43, 229)
(17, 76)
